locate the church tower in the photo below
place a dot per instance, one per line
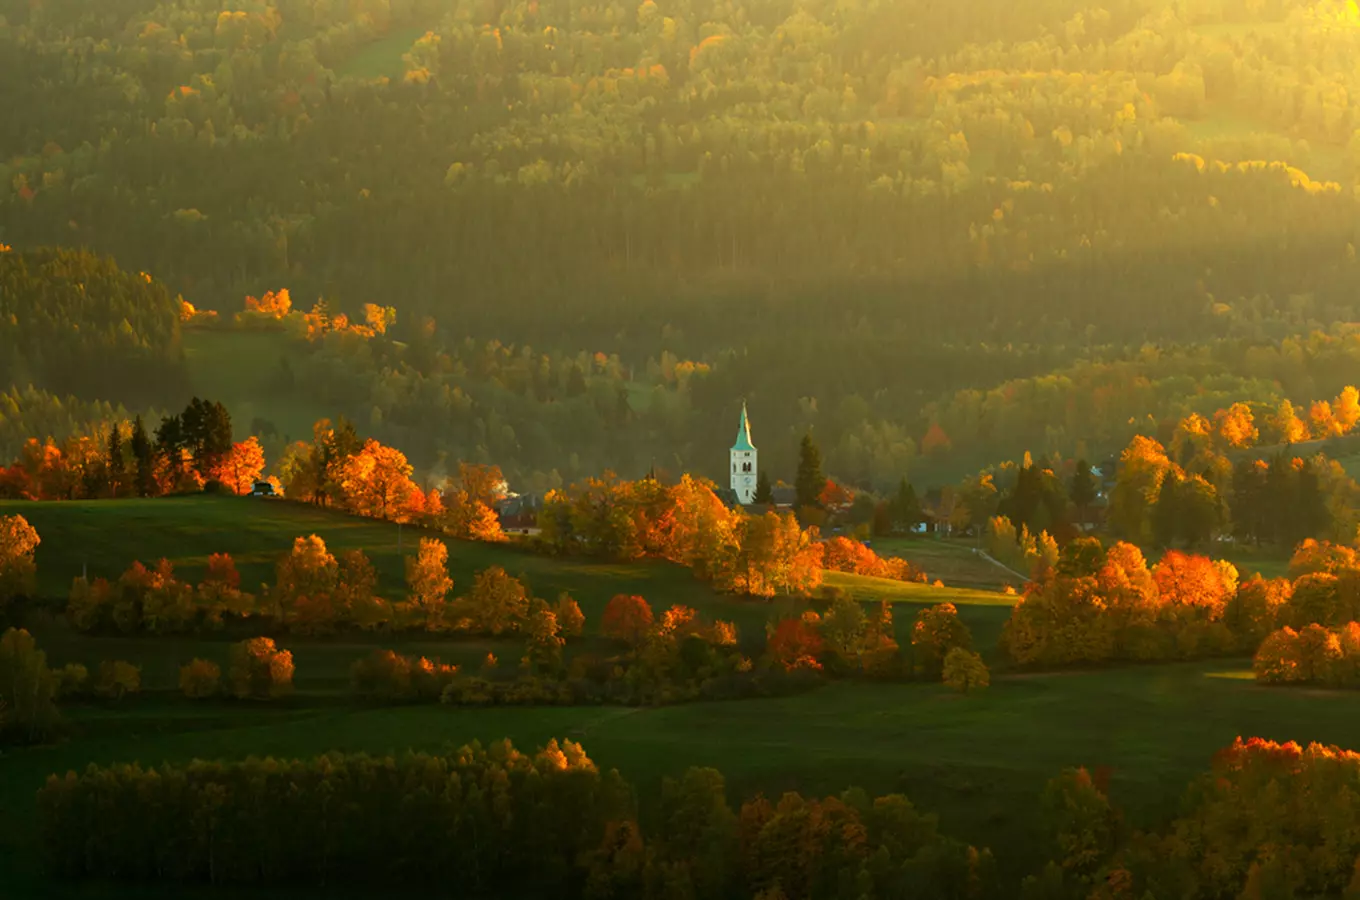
(744, 462)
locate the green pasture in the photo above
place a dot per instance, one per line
(382, 58)
(102, 538)
(239, 369)
(954, 562)
(980, 761)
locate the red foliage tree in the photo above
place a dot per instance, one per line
(626, 618)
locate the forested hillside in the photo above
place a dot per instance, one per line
(921, 227)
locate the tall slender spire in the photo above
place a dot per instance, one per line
(743, 432)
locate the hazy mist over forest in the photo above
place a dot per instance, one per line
(939, 234)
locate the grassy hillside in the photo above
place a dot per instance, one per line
(981, 761)
(103, 538)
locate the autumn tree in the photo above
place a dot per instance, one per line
(27, 689)
(241, 467)
(936, 632)
(304, 585)
(200, 678)
(428, 582)
(626, 618)
(260, 670)
(376, 482)
(792, 644)
(569, 615)
(18, 572)
(498, 603)
(1142, 466)
(965, 671)
(543, 640)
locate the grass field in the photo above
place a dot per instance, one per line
(103, 538)
(237, 368)
(952, 561)
(980, 761)
(382, 58)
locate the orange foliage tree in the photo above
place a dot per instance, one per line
(18, 544)
(241, 468)
(794, 644)
(936, 632)
(626, 618)
(376, 482)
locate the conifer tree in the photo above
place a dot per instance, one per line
(143, 456)
(117, 468)
(1083, 490)
(906, 506)
(764, 493)
(810, 480)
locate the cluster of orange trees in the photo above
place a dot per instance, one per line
(314, 592)
(754, 555)
(1098, 604)
(494, 821)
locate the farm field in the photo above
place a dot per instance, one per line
(979, 761)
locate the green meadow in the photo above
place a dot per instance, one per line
(980, 761)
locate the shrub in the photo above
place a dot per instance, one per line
(117, 678)
(27, 688)
(259, 670)
(965, 671)
(569, 616)
(73, 680)
(200, 678)
(386, 674)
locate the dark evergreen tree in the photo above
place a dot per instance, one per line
(906, 507)
(1166, 510)
(764, 493)
(115, 464)
(170, 444)
(810, 480)
(144, 459)
(1083, 490)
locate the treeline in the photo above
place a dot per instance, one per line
(1220, 845)
(558, 825)
(73, 323)
(491, 820)
(1098, 604)
(314, 593)
(188, 452)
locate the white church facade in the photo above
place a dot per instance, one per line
(744, 470)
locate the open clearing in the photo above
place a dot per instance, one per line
(980, 761)
(382, 58)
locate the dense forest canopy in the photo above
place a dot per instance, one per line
(919, 227)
